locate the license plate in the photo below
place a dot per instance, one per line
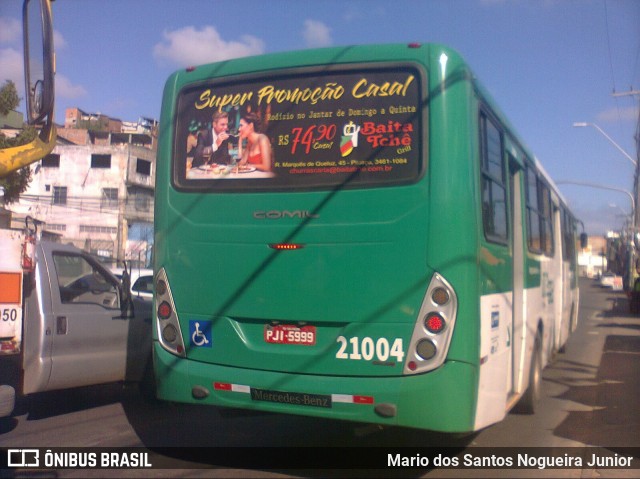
(290, 334)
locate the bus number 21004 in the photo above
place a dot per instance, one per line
(368, 349)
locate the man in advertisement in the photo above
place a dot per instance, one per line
(213, 144)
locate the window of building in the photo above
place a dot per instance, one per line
(100, 161)
(109, 198)
(59, 195)
(143, 167)
(494, 191)
(143, 203)
(98, 229)
(52, 160)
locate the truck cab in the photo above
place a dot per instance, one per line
(78, 327)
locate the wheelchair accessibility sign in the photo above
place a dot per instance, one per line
(200, 333)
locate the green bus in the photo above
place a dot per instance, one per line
(355, 233)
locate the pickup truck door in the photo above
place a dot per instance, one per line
(90, 340)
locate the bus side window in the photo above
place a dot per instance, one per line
(546, 219)
(534, 234)
(494, 192)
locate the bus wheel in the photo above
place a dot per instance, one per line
(147, 384)
(527, 403)
(574, 318)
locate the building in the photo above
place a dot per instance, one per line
(12, 121)
(95, 186)
(592, 261)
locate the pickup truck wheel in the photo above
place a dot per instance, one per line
(7, 400)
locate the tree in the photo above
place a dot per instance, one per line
(9, 98)
(16, 182)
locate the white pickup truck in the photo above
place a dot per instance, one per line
(65, 320)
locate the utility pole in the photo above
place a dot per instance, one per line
(636, 190)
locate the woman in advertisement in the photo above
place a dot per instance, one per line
(257, 152)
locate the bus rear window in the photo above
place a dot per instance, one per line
(303, 129)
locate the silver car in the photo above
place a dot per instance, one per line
(141, 282)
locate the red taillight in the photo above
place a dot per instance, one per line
(164, 310)
(434, 323)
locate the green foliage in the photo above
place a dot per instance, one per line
(16, 182)
(101, 124)
(9, 98)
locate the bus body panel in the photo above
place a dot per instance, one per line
(336, 397)
(366, 260)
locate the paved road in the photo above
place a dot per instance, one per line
(589, 398)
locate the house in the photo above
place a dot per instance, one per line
(95, 185)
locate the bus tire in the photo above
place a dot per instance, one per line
(147, 384)
(531, 396)
(563, 348)
(574, 318)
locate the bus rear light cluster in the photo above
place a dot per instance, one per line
(164, 310)
(440, 296)
(167, 323)
(426, 349)
(169, 333)
(434, 323)
(161, 287)
(433, 329)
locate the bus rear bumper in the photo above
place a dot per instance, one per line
(441, 400)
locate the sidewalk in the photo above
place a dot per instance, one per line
(614, 391)
(590, 395)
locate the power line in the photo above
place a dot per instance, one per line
(606, 19)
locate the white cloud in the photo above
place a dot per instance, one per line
(58, 40)
(11, 66)
(11, 62)
(627, 113)
(65, 89)
(316, 34)
(10, 30)
(351, 14)
(190, 46)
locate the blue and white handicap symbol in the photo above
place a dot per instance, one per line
(200, 333)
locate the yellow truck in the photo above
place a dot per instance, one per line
(39, 66)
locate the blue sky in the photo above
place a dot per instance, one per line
(547, 63)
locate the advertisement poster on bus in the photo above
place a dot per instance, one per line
(311, 129)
